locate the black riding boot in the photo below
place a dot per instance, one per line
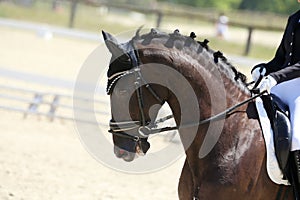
(296, 174)
(297, 163)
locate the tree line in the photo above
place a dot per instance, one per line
(276, 6)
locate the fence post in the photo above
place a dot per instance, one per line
(248, 44)
(159, 19)
(53, 107)
(73, 13)
(33, 106)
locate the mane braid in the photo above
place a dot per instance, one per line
(171, 38)
(238, 75)
(189, 42)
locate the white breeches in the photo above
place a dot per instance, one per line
(289, 93)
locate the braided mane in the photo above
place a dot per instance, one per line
(189, 42)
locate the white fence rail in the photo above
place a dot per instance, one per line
(51, 105)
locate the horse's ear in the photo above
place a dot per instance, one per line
(112, 44)
(137, 33)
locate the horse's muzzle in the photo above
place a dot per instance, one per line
(125, 155)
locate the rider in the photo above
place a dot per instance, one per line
(282, 78)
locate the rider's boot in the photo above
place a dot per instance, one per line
(296, 174)
(297, 164)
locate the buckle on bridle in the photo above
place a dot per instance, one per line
(144, 131)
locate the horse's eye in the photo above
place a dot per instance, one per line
(124, 59)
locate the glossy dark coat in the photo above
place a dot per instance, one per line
(235, 168)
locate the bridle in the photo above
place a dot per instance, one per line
(146, 128)
(143, 126)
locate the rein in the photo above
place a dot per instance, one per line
(216, 117)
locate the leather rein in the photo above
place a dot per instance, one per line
(146, 128)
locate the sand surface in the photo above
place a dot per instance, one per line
(46, 160)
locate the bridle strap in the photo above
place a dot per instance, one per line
(149, 88)
(125, 135)
(139, 93)
(123, 126)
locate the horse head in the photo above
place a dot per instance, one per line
(134, 102)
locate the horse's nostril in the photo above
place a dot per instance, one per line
(119, 152)
(122, 152)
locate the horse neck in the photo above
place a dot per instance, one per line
(238, 134)
(237, 137)
(214, 87)
(215, 90)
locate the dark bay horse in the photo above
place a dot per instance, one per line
(225, 156)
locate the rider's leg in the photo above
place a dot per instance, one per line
(295, 119)
(294, 106)
(289, 93)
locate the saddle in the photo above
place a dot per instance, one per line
(278, 113)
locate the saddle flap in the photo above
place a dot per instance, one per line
(282, 137)
(277, 112)
(278, 103)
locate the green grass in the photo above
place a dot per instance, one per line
(39, 13)
(257, 51)
(87, 18)
(90, 19)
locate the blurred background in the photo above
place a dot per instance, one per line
(43, 45)
(245, 17)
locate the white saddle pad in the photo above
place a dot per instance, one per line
(273, 169)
